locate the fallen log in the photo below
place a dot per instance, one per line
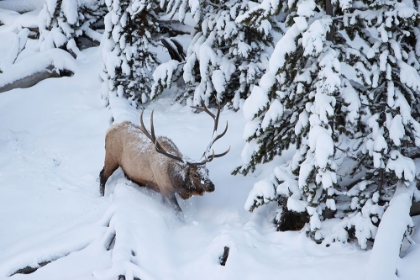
(30, 71)
(34, 78)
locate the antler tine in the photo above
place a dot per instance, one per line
(222, 154)
(205, 109)
(204, 161)
(152, 137)
(212, 156)
(221, 134)
(216, 124)
(152, 128)
(216, 138)
(216, 121)
(143, 127)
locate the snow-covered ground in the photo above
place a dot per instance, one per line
(51, 152)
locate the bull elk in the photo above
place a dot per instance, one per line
(156, 162)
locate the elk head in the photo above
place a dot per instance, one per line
(193, 176)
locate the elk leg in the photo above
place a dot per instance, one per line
(171, 200)
(103, 177)
(102, 182)
(128, 177)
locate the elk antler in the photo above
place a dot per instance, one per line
(215, 136)
(152, 137)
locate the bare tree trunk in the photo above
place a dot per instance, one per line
(329, 10)
(415, 209)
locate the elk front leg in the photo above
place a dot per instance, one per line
(105, 173)
(102, 182)
(170, 199)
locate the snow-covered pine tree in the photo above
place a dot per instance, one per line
(225, 58)
(350, 115)
(131, 28)
(70, 24)
(390, 140)
(295, 104)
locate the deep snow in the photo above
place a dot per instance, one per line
(51, 151)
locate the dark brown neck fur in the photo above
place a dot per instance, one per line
(181, 181)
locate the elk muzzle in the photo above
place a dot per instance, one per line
(209, 186)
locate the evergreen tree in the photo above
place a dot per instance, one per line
(131, 28)
(349, 114)
(389, 142)
(225, 58)
(70, 24)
